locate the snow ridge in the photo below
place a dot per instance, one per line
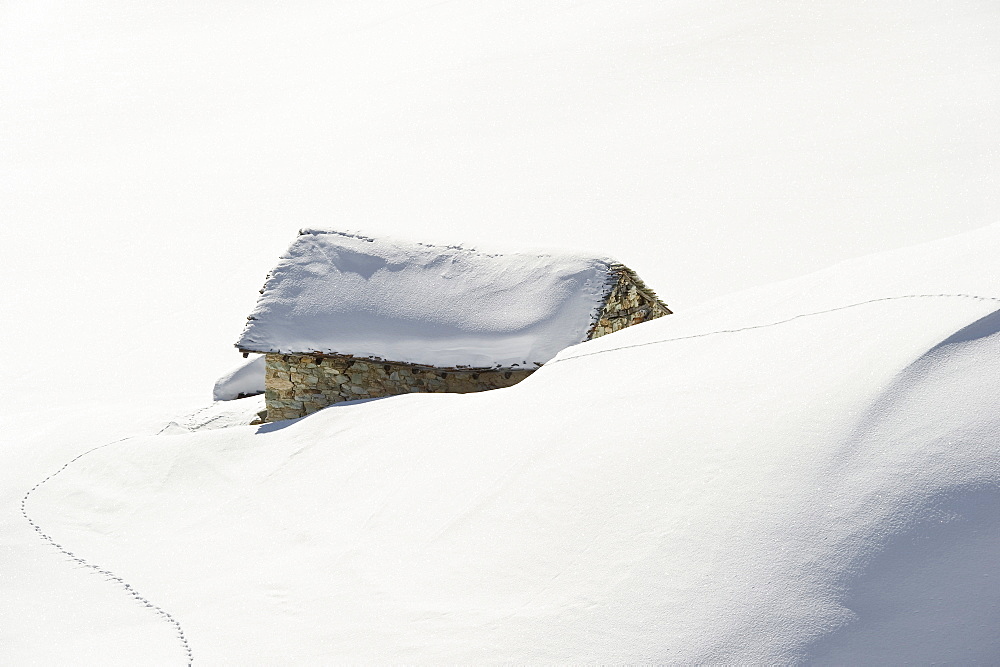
(774, 324)
(111, 576)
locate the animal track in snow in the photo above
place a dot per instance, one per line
(109, 575)
(774, 324)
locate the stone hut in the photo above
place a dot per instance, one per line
(344, 317)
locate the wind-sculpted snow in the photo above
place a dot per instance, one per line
(445, 306)
(817, 486)
(247, 379)
(922, 586)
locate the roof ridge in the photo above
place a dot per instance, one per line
(498, 252)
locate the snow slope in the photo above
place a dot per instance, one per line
(346, 293)
(806, 472)
(153, 155)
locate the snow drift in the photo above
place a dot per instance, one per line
(246, 379)
(804, 472)
(342, 293)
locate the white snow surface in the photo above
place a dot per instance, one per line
(836, 470)
(218, 414)
(246, 379)
(346, 293)
(807, 472)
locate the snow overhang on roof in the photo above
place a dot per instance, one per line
(448, 306)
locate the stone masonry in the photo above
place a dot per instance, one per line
(300, 384)
(297, 385)
(630, 302)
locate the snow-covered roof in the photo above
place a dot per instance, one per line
(341, 293)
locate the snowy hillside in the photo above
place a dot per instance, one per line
(788, 468)
(818, 485)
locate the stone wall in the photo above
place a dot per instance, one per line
(298, 385)
(630, 302)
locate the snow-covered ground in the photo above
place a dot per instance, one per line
(804, 472)
(795, 470)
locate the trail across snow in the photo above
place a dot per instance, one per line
(111, 576)
(571, 355)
